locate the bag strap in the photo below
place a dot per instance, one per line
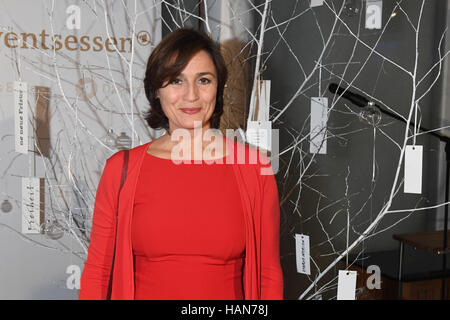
(122, 181)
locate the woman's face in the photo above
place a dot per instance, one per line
(192, 95)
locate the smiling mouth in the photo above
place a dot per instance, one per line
(190, 110)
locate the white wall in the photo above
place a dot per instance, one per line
(34, 266)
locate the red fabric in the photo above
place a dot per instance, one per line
(263, 278)
(188, 240)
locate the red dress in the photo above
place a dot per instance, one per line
(188, 231)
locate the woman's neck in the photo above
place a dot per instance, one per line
(196, 143)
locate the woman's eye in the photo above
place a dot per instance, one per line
(175, 81)
(204, 81)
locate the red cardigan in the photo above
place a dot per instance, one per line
(263, 277)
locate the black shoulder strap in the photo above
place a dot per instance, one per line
(122, 181)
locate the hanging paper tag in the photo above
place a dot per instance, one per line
(263, 104)
(374, 10)
(259, 128)
(413, 169)
(346, 285)
(20, 117)
(31, 205)
(259, 134)
(316, 3)
(260, 102)
(302, 253)
(318, 128)
(240, 135)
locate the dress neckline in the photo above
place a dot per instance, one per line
(187, 161)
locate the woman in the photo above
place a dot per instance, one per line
(201, 229)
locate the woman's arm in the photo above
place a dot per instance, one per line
(95, 276)
(271, 272)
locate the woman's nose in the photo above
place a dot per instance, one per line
(191, 93)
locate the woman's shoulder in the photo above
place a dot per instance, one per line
(118, 157)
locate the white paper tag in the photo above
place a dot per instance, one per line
(374, 11)
(302, 253)
(316, 3)
(318, 128)
(264, 101)
(259, 134)
(260, 102)
(240, 135)
(413, 169)
(20, 117)
(346, 285)
(31, 205)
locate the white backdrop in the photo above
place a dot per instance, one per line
(71, 121)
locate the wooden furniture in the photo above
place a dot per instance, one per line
(432, 242)
(421, 276)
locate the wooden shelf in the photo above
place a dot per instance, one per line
(431, 241)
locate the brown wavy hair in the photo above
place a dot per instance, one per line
(168, 60)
